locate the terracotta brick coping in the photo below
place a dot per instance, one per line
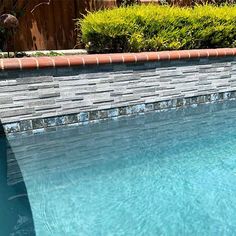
(101, 59)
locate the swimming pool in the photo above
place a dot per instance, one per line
(163, 173)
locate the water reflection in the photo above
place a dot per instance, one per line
(106, 178)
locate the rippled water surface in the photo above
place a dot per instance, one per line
(168, 173)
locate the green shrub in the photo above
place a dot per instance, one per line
(155, 28)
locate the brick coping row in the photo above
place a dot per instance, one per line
(103, 59)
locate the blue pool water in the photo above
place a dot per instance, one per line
(168, 173)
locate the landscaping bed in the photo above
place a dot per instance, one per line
(156, 28)
(43, 53)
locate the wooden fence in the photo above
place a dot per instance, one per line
(51, 26)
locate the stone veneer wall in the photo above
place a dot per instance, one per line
(42, 98)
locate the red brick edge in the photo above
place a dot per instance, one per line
(101, 59)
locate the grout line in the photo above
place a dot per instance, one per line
(37, 62)
(83, 61)
(20, 63)
(1, 63)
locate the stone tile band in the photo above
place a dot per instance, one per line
(49, 124)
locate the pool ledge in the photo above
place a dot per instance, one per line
(103, 59)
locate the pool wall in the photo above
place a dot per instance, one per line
(38, 94)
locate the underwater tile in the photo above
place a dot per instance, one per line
(50, 122)
(140, 108)
(233, 94)
(61, 120)
(193, 100)
(227, 95)
(214, 97)
(38, 123)
(26, 125)
(187, 101)
(174, 103)
(114, 112)
(149, 107)
(157, 105)
(93, 115)
(12, 128)
(221, 96)
(122, 111)
(201, 99)
(83, 116)
(134, 109)
(164, 104)
(179, 102)
(71, 119)
(208, 98)
(129, 110)
(103, 114)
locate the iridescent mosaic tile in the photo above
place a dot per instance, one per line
(50, 122)
(208, 98)
(12, 128)
(114, 112)
(83, 116)
(26, 125)
(140, 108)
(93, 115)
(149, 107)
(180, 102)
(221, 96)
(122, 111)
(214, 97)
(103, 114)
(72, 119)
(61, 120)
(226, 95)
(38, 123)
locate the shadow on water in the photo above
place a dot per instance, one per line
(15, 214)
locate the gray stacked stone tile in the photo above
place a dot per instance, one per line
(44, 94)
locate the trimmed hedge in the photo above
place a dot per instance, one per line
(155, 28)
